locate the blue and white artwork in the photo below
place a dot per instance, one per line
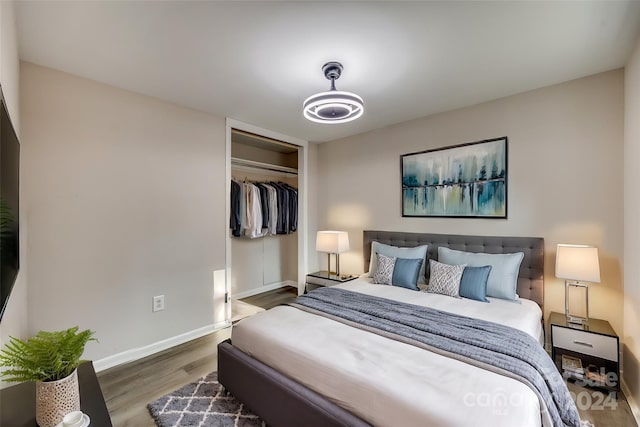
(468, 180)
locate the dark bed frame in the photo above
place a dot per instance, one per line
(281, 401)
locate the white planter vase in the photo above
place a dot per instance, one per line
(55, 399)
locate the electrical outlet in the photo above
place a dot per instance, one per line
(158, 303)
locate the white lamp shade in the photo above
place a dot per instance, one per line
(334, 242)
(578, 262)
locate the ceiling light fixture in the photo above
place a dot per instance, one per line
(333, 106)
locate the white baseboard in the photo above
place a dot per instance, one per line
(265, 288)
(141, 352)
(635, 409)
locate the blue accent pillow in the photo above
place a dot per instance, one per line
(474, 283)
(405, 273)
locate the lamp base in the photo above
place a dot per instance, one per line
(337, 272)
(577, 320)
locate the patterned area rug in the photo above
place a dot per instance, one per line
(202, 404)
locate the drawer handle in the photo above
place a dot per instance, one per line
(586, 344)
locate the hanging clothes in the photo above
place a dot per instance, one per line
(293, 208)
(262, 209)
(264, 204)
(272, 205)
(283, 208)
(235, 222)
(253, 211)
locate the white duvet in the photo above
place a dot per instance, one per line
(388, 383)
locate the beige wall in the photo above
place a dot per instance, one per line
(14, 321)
(565, 177)
(125, 200)
(632, 226)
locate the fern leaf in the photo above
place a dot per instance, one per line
(48, 356)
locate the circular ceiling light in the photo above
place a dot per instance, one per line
(333, 106)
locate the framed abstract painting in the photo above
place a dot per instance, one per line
(461, 181)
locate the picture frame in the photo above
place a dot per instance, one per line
(460, 181)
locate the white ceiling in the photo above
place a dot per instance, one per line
(257, 61)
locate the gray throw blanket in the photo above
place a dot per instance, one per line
(501, 348)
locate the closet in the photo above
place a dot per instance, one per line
(262, 258)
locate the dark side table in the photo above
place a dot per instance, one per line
(594, 345)
(18, 402)
(325, 278)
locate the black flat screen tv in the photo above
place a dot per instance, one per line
(9, 204)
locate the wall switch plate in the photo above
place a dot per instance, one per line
(158, 303)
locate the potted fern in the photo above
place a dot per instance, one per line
(50, 360)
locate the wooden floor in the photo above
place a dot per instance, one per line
(602, 412)
(129, 388)
(273, 298)
(240, 310)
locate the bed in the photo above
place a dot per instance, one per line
(295, 368)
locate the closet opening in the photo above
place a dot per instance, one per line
(266, 213)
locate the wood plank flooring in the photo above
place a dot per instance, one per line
(273, 298)
(594, 406)
(240, 310)
(129, 388)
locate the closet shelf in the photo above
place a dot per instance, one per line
(264, 166)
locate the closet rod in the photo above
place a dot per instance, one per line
(260, 165)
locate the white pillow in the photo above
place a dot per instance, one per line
(394, 251)
(503, 278)
(445, 279)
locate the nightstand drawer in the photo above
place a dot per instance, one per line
(597, 345)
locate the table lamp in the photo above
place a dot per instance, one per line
(332, 242)
(577, 264)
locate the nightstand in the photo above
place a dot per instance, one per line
(587, 353)
(325, 278)
(18, 402)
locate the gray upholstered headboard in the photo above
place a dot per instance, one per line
(530, 279)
